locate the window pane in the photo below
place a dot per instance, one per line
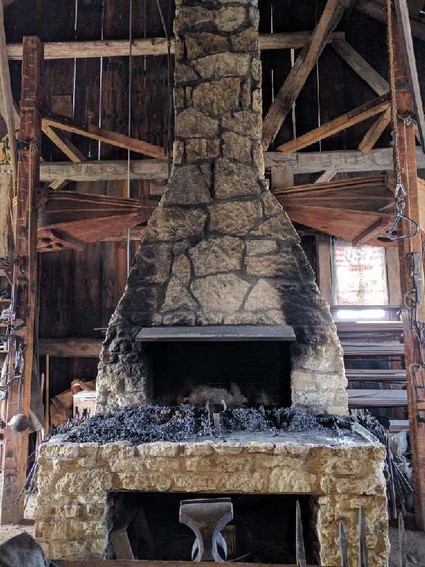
(359, 274)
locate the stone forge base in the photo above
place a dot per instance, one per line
(341, 473)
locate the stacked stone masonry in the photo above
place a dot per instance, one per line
(74, 481)
(220, 249)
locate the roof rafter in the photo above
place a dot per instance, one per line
(301, 69)
(359, 114)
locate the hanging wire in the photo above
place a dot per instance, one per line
(169, 83)
(319, 108)
(400, 193)
(130, 92)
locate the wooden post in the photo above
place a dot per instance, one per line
(24, 287)
(406, 144)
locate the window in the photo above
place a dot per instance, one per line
(360, 278)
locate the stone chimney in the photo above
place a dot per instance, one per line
(219, 250)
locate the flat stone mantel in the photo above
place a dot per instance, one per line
(218, 333)
(342, 474)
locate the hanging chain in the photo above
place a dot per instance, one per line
(399, 193)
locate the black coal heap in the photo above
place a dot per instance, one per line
(149, 423)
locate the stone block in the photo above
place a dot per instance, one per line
(143, 481)
(236, 217)
(257, 101)
(201, 149)
(217, 255)
(235, 180)
(246, 40)
(281, 265)
(159, 449)
(230, 18)
(269, 317)
(223, 292)
(279, 227)
(184, 74)
(189, 185)
(270, 204)
(262, 297)
(174, 224)
(260, 247)
(194, 124)
(237, 147)
(222, 65)
(153, 264)
(188, 17)
(217, 97)
(245, 123)
(177, 297)
(203, 43)
(181, 269)
(292, 481)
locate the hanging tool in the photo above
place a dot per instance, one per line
(399, 193)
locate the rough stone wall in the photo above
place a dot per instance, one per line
(74, 481)
(220, 249)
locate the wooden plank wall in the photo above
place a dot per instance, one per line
(79, 290)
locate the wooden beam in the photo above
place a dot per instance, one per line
(378, 11)
(150, 47)
(7, 105)
(6, 189)
(103, 135)
(343, 122)
(302, 68)
(410, 60)
(70, 348)
(24, 288)
(65, 145)
(324, 266)
(393, 275)
(326, 176)
(345, 161)
(375, 131)
(361, 66)
(371, 232)
(406, 144)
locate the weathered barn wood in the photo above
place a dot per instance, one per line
(24, 294)
(302, 163)
(405, 145)
(299, 73)
(359, 114)
(150, 46)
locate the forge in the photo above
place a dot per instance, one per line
(221, 308)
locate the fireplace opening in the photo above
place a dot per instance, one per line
(250, 373)
(262, 529)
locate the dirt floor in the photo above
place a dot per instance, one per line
(415, 540)
(7, 532)
(415, 548)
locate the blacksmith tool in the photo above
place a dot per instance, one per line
(299, 542)
(343, 544)
(215, 410)
(363, 557)
(206, 517)
(402, 541)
